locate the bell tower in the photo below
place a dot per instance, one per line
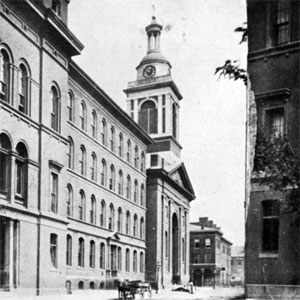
(153, 99)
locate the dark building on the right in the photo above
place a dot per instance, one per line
(272, 251)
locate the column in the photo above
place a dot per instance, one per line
(16, 253)
(11, 254)
(180, 243)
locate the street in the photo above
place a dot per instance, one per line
(204, 293)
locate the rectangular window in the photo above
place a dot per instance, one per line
(282, 23)
(197, 244)
(274, 119)
(207, 243)
(270, 225)
(54, 192)
(53, 249)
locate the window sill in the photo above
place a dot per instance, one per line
(268, 255)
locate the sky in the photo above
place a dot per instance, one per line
(198, 36)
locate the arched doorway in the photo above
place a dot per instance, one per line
(175, 250)
(197, 277)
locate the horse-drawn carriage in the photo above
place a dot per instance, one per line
(129, 290)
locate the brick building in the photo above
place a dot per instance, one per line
(153, 101)
(272, 233)
(72, 163)
(210, 254)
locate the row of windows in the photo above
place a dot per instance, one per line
(105, 178)
(106, 218)
(115, 257)
(20, 164)
(23, 86)
(108, 141)
(6, 81)
(207, 243)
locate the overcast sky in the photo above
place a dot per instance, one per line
(198, 37)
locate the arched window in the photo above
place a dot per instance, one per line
(143, 163)
(183, 250)
(94, 125)
(82, 115)
(103, 172)
(112, 139)
(174, 116)
(69, 251)
(127, 260)
(112, 179)
(55, 113)
(136, 157)
(111, 218)
(102, 256)
(71, 105)
(128, 188)
(142, 195)
(21, 172)
(120, 220)
(71, 154)
(69, 201)
(148, 116)
(102, 213)
(93, 210)
(103, 132)
(136, 191)
(120, 183)
(81, 206)
(5, 148)
(121, 145)
(81, 252)
(142, 228)
(141, 262)
(166, 245)
(23, 104)
(92, 254)
(127, 222)
(82, 160)
(119, 259)
(94, 167)
(135, 226)
(4, 76)
(134, 266)
(128, 153)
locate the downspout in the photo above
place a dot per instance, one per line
(38, 260)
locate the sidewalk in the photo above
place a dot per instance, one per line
(203, 293)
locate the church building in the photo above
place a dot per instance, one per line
(153, 101)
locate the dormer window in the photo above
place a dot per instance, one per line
(56, 6)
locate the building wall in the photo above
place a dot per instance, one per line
(274, 73)
(163, 203)
(28, 226)
(210, 254)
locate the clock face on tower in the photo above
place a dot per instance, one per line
(149, 71)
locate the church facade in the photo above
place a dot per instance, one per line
(153, 101)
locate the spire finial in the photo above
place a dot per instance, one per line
(153, 11)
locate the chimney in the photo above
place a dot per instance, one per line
(203, 222)
(210, 224)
